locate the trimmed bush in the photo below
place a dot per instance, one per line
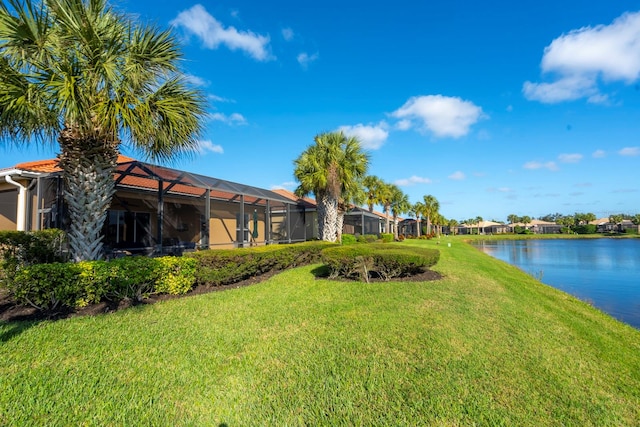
(386, 261)
(367, 238)
(585, 229)
(349, 239)
(47, 286)
(223, 267)
(50, 286)
(176, 275)
(387, 237)
(22, 248)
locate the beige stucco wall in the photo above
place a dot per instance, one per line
(8, 207)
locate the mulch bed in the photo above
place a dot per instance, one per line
(12, 312)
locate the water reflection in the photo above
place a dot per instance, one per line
(604, 272)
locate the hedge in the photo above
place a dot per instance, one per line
(222, 267)
(23, 248)
(72, 285)
(386, 261)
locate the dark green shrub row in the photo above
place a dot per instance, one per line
(386, 261)
(222, 267)
(22, 248)
(50, 286)
(367, 238)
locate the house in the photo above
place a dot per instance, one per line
(305, 223)
(155, 209)
(537, 226)
(483, 227)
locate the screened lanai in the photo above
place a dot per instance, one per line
(161, 210)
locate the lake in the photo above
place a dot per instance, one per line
(604, 272)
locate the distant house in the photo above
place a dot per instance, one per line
(155, 209)
(483, 227)
(604, 225)
(538, 227)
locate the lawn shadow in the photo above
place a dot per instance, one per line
(321, 272)
(11, 330)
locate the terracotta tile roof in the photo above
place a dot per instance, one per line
(306, 201)
(132, 174)
(51, 165)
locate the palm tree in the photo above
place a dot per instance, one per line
(513, 218)
(399, 205)
(417, 209)
(386, 193)
(80, 72)
(431, 208)
(478, 220)
(372, 185)
(453, 226)
(332, 170)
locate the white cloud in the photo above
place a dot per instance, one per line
(565, 89)
(371, 137)
(403, 124)
(598, 154)
(584, 56)
(405, 182)
(304, 59)
(287, 34)
(216, 98)
(457, 176)
(442, 115)
(235, 118)
(195, 80)
(539, 165)
(570, 158)
(206, 145)
(630, 151)
(199, 22)
(289, 185)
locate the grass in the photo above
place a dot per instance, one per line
(487, 345)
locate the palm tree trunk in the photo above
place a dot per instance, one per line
(339, 225)
(327, 218)
(88, 166)
(395, 227)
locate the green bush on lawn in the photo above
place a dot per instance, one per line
(72, 285)
(387, 237)
(386, 261)
(349, 239)
(222, 267)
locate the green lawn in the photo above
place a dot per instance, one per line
(486, 345)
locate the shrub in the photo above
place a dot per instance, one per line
(22, 248)
(349, 239)
(385, 261)
(49, 286)
(367, 238)
(176, 275)
(585, 229)
(387, 237)
(222, 267)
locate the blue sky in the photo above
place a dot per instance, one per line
(492, 107)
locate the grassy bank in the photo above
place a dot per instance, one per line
(487, 344)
